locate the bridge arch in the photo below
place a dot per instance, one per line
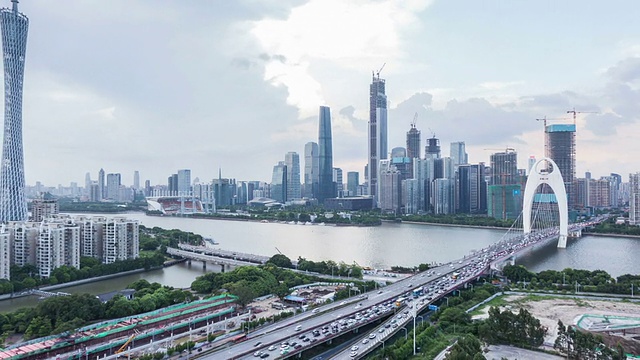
(542, 173)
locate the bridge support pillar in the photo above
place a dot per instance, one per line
(562, 241)
(512, 261)
(189, 262)
(204, 265)
(222, 268)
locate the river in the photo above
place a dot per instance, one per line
(378, 247)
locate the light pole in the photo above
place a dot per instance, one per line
(414, 328)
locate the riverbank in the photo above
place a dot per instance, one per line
(88, 280)
(611, 235)
(450, 225)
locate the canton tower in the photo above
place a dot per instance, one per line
(14, 26)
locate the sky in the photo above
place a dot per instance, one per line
(157, 86)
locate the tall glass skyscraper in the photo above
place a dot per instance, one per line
(325, 156)
(311, 169)
(377, 132)
(14, 25)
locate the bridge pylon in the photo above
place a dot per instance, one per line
(542, 173)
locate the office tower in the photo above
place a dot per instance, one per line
(292, 160)
(136, 180)
(279, 182)
(101, 185)
(398, 152)
(458, 153)
(5, 254)
(113, 186)
(616, 187)
(147, 188)
(560, 146)
(471, 189)
(13, 204)
(325, 157)
(390, 195)
(411, 196)
(311, 169)
(43, 207)
(504, 197)
(184, 182)
(413, 146)
(87, 184)
(377, 132)
(353, 180)
(432, 149)
(634, 199)
(336, 177)
(442, 196)
(532, 161)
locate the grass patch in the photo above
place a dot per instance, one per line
(498, 301)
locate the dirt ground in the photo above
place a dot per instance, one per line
(549, 311)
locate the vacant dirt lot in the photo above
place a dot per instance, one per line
(550, 310)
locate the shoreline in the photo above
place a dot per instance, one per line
(85, 281)
(611, 235)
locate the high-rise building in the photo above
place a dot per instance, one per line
(184, 182)
(560, 146)
(504, 195)
(337, 180)
(458, 153)
(13, 204)
(377, 132)
(136, 180)
(352, 182)
(634, 199)
(5, 254)
(43, 207)
(87, 184)
(471, 189)
(311, 169)
(292, 160)
(101, 185)
(325, 156)
(413, 146)
(390, 194)
(279, 182)
(504, 167)
(432, 149)
(113, 186)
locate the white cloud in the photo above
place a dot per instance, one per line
(334, 33)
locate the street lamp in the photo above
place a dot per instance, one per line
(414, 327)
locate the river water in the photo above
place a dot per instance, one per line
(378, 247)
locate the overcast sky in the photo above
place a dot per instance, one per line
(157, 86)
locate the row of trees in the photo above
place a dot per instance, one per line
(521, 329)
(26, 277)
(589, 281)
(330, 267)
(610, 227)
(585, 345)
(156, 238)
(60, 314)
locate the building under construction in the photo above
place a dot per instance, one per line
(560, 146)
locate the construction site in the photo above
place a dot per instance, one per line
(114, 336)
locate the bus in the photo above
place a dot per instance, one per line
(400, 301)
(455, 275)
(417, 292)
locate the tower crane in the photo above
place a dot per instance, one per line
(415, 118)
(574, 112)
(545, 119)
(507, 149)
(377, 73)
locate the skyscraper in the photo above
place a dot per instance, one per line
(413, 146)
(458, 153)
(13, 204)
(337, 180)
(432, 149)
(352, 182)
(136, 180)
(311, 169)
(292, 160)
(184, 182)
(279, 182)
(325, 156)
(102, 191)
(113, 186)
(634, 199)
(377, 132)
(560, 146)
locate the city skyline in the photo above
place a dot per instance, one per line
(115, 104)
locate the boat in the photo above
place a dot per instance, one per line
(211, 241)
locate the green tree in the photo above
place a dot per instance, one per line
(281, 261)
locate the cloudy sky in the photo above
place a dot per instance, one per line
(156, 86)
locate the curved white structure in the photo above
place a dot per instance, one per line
(540, 174)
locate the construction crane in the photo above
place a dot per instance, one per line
(574, 112)
(377, 73)
(124, 346)
(415, 119)
(545, 119)
(507, 149)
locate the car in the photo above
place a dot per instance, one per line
(372, 336)
(379, 291)
(381, 330)
(354, 348)
(257, 353)
(342, 303)
(257, 344)
(272, 347)
(315, 311)
(264, 355)
(298, 346)
(353, 354)
(299, 327)
(365, 341)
